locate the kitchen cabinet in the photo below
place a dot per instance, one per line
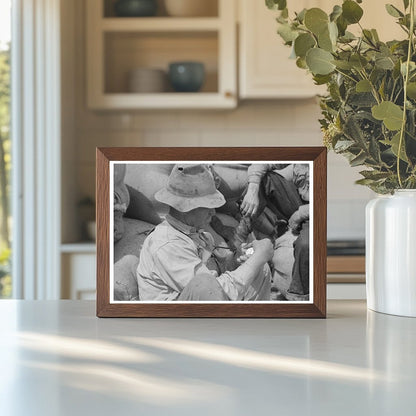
(118, 45)
(346, 277)
(78, 263)
(265, 70)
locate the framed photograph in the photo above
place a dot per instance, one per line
(211, 232)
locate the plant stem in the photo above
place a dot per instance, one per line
(392, 91)
(406, 79)
(346, 75)
(373, 88)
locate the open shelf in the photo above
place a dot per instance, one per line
(86, 247)
(167, 100)
(210, 9)
(127, 51)
(160, 24)
(116, 46)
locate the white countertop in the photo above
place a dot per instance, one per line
(57, 358)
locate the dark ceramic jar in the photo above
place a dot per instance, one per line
(135, 8)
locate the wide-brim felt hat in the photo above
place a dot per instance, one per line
(189, 187)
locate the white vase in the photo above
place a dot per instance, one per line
(391, 253)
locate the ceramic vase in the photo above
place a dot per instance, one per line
(391, 253)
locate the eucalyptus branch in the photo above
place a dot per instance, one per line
(398, 95)
(369, 40)
(404, 28)
(392, 91)
(358, 45)
(342, 49)
(361, 59)
(406, 79)
(373, 88)
(346, 75)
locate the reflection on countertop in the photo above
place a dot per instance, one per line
(354, 362)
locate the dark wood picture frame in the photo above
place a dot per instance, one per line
(315, 309)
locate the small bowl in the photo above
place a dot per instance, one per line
(147, 80)
(135, 8)
(186, 76)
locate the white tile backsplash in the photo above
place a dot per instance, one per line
(257, 123)
(171, 138)
(208, 119)
(147, 120)
(346, 219)
(86, 180)
(231, 138)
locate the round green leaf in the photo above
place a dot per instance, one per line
(287, 33)
(363, 86)
(411, 90)
(342, 25)
(316, 20)
(322, 79)
(327, 39)
(391, 114)
(301, 63)
(301, 15)
(336, 12)
(344, 65)
(276, 4)
(384, 62)
(412, 67)
(358, 61)
(394, 143)
(351, 11)
(333, 32)
(393, 11)
(319, 61)
(303, 43)
(375, 35)
(324, 41)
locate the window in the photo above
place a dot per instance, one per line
(5, 147)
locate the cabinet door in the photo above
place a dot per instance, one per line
(266, 71)
(78, 276)
(265, 68)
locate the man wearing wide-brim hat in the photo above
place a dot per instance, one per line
(173, 259)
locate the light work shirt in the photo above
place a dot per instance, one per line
(298, 173)
(170, 258)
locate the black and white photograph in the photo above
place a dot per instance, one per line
(211, 231)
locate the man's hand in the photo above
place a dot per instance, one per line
(294, 221)
(247, 251)
(251, 202)
(298, 217)
(263, 249)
